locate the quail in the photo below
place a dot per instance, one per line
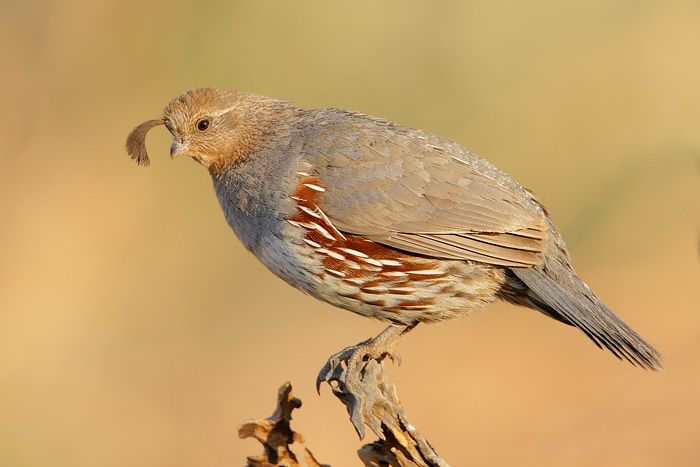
(385, 221)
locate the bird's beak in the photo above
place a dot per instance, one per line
(178, 148)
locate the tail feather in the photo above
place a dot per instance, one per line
(578, 306)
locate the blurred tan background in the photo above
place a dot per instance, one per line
(135, 330)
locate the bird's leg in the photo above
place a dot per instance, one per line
(345, 366)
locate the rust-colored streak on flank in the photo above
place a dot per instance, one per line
(416, 303)
(401, 290)
(424, 277)
(371, 267)
(374, 286)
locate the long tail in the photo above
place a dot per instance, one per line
(577, 305)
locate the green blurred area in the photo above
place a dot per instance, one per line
(135, 329)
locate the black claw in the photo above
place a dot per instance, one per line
(329, 370)
(322, 377)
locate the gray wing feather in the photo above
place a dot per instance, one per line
(412, 190)
(455, 246)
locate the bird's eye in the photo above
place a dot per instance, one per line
(203, 124)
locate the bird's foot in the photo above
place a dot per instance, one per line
(345, 371)
(347, 366)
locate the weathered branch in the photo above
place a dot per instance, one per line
(276, 435)
(372, 401)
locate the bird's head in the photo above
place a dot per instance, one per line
(212, 126)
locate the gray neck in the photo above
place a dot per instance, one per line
(254, 192)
